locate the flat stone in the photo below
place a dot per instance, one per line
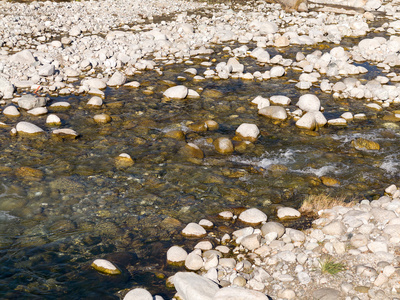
(29, 101)
(29, 128)
(274, 112)
(253, 216)
(288, 212)
(237, 293)
(105, 266)
(65, 132)
(37, 111)
(176, 92)
(326, 294)
(279, 100)
(191, 286)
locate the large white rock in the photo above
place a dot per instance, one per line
(288, 212)
(253, 216)
(248, 131)
(94, 83)
(309, 102)
(194, 229)
(176, 254)
(37, 111)
(95, 101)
(11, 111)
(23, 57)
(237, 293)
(234, 65)
(53, 119)
(117, 79)
(138, 294)
(191, 286)
(274, 227)
(279, 100)
(29, 101)
(274, 112)
(176, 92)
(6, 88)
(277, 71)
(27, 127)
(194, 261)
(46, 70)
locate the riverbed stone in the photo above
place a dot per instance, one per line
(279, 100)
(274, 112)
(336, 228)
(105, 266)
(28, 102)
(287, 212)
(253, 216)
(95, 102)
(237, 293)
(117, 79)
(102, 118)
(326, 294)
(223, 145)
(28, 128)
(365, 144)
(276, 227)
(138, 294)
(11, 111)
(194, 229)
(176, 92)
(248, 131)
(309, 102)
(191, 286)
(53, 119)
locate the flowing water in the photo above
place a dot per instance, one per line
(75, 205)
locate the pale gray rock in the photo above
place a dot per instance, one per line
(326, 294)
(46, 70)
(95, 101)
(237, 293)
(251, 241)
(309, 102)
(303, 277)
(229, 263)
(176, 254)
(65, 132)
(203, 245)
(27, 127)
(248, 131)
(176, 92)
(392, 230)
(53, 119)
(243, 232)
(382, 215)
(29, 101)
(234, 65)
(287, 212)
(378, 247)
(94, 83)
(191, 286)
(358, 240)
(132, 84)
(138, 294)
(277, 71)
(37, 111)
(295, 235)
(253, 216)
(23, 57)
(11, 111)
(116, 79)
(336, 228)
(274, 112)
(194, 261)
(261, 102)
(287, 256)
(6, 88)
(279, 100)
(269, 227)
(194, 229)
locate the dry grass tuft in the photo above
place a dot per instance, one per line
(314, 203)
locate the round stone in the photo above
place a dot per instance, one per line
(29, 128)
(102, 118)
(11, 111)
(253, 216)
(138, 294)
(248, 131)
(95, 101)
(176, 254)
(194, 229)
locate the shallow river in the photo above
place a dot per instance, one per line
(75, 205)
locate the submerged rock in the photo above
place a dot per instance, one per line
(364, 144)
(105, 266)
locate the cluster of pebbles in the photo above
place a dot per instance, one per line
(264, 259)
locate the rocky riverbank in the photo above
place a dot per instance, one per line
(349, 253)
